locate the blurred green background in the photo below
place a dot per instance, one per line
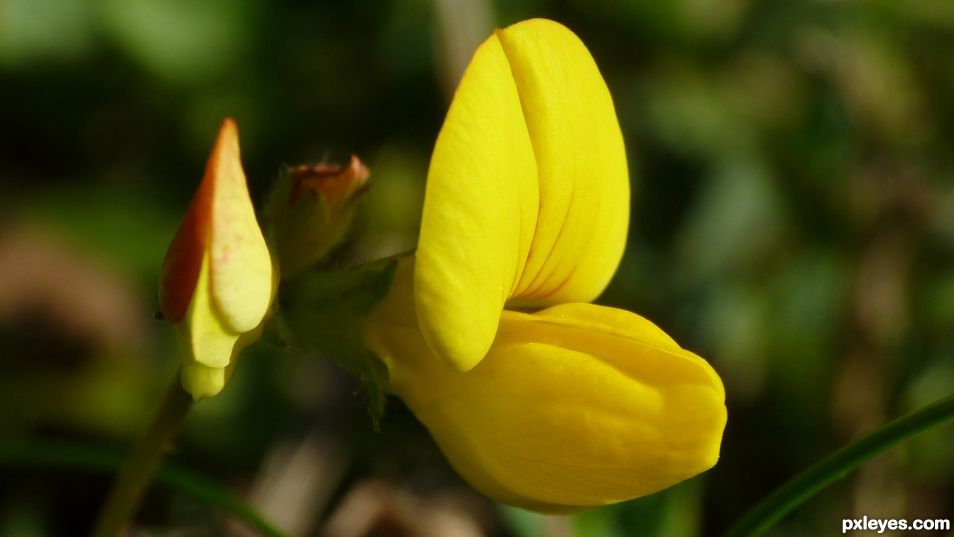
(793, 222)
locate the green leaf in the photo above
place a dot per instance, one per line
(835, 466)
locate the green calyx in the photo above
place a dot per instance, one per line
(325, 310)
(310, 212)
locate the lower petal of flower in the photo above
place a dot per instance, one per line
(573, 407)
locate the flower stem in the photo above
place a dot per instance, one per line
(835, 466)
(141, 464)
(85, 457)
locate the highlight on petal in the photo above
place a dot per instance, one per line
(241, 267)
(575, 406)
(527, 195)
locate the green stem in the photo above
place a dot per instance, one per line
(835, 466)
(141, 464)
(71, 455)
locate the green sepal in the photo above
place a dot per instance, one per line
(325, 311)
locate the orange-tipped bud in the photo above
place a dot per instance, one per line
(217, 279)
(312, 210)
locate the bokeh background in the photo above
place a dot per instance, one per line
(793, 222)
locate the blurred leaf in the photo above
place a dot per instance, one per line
(932, 13)
(521, 522)
(765, 90)
(22, 518)
(738, 322)
(181, 41)
(120, 223)
(930, 454)
(391, 214)
(50, 31)
(686, 112)
(937, 298)
(77, 456)
(738, 221)
(597, 523)
(673, 512)
(873, 78)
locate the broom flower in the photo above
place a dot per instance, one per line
(526, 208)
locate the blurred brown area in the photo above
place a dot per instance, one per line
(79, 297)
(792, 222)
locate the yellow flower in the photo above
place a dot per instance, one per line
(217, 277)
(527, 205)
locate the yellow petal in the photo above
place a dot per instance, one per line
(208, 347)
(240, 265)
(527, 194)
(581, 164)
(603, 320)
(576, 406)
(479, 211)
(203, 337)
(201, 381)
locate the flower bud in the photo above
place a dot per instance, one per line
(217, 278)
(311, 211)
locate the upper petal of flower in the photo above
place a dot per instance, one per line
(527, 194)
(480, 211)
(583, 181)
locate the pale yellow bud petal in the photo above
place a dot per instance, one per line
(240, 264)
(202, 381)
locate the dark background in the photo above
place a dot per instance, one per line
(793, 222)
